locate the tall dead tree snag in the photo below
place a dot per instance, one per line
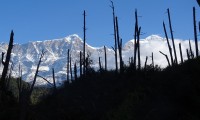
(6, 63)
(119, 43)
(195, 32)
(137, 42)
(84, 39)
(36, 74)
(171, 31)
(115, 35)
(169, 47)
(135, 39)
(138, 47)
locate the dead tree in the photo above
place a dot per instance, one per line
(80, 64)
(170, 26)
(115, 35)
(191, 52)
(71, 67)
(181, 55)
(105, 56)
(135, 39)
(166, 58)
(84, 39)
(152, 60)
(54, 81)
(119, 43)
(75, 72)
(100, 68)
(170, 49)
(138, 47)
(145, 64)
(19, 83)
(9, 76)
(36, 74)
(188, 54)
(68, 65)
(195, 32)
(6, 63)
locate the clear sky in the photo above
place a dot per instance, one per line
(34, 20)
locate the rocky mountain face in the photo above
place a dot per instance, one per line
(27, 55)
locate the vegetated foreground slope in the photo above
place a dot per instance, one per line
(173, 93)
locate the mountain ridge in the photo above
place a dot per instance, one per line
(27, 55)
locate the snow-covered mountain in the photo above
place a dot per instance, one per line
(27, 55)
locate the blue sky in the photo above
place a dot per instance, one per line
(34, 20)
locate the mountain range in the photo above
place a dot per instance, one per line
(27, 55)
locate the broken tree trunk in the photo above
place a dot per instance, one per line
(36, 74)
(195, 32)
(6, 63)
(84, 39)
(135, 39)
(145, 64)
(169, 47)
(166, 58)
(170, 25)
(191, 52)
(119, 42)
(115, 36)
(138, 47)
(181, 54)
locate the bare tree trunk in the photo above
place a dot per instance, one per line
(152, 61)
(170, 49)
(188, 54)
(84, 39)
(135, 39)
(166, 58)
(81, 64)
(119, 42)
(100, 64)
(195, 32)
(36, 74)
(71, 68)
(68, 65)
(176, 61)
(54, 81)
(75, 71)
(138, 47)
(6, 63)
(145, 64)
(105, 58)
(181, 55)
(115, 35)
(191, 52)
